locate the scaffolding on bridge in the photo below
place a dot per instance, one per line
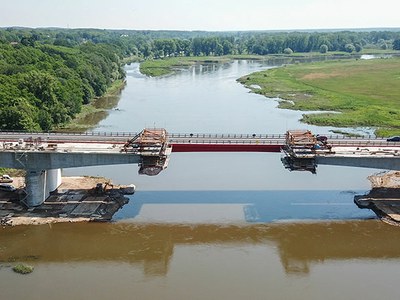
(301, 149)
(153, 148)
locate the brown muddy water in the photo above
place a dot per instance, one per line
(328, 260)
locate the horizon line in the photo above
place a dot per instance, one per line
(216, 31)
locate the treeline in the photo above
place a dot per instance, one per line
(156, 44)
(46, 75)
(277, 43)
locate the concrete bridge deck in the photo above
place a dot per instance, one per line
(42, 155)
(190, 142)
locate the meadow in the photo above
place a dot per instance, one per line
(366, 93)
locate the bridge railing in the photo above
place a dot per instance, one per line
(335, 139)
(235, 142)
(276, 141)
(225, 136)
(265, 136)
(51, 133)
(180, 135)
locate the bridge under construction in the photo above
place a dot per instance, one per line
(43, 155)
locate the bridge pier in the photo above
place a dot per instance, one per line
(43, 168)
(39, 184)
(42, 159)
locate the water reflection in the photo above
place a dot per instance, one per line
(152, 247)
(104, 105)
(233, 207)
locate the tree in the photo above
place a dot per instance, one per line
(183, 47)
(196, 46)
(28, 41)
(323, 48)
(20, 116)
(349, 48)
(288, 51)
(219, 49)
(227, 47)
(396, 44)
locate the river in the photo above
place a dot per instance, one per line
(212, 225)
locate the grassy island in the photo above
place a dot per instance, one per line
(160, 67)
(365, 92)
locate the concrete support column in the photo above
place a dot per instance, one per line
(53, 180)
(39, 184)
(35, 186)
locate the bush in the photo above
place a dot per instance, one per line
(288, 51)
(349, 48)
(323, 48)
(23, 269)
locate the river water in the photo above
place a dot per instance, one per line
(212, 225)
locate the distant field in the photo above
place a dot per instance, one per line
(366, 92)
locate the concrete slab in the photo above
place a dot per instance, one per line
(85, 209)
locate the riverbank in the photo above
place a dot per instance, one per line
(77, 199)
(363, 91)
(96, 110)
(168, 65)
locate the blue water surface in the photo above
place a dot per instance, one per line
(258, 206)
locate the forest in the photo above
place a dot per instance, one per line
(46, 75)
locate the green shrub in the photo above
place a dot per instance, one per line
(23, 269)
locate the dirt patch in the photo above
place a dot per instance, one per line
(72, 183)
(313, 76)
(83, 182)
(386, 180)
(18, 182)
(16, 221)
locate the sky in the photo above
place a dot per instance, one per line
(209, 15)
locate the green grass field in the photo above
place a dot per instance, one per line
(366, 92)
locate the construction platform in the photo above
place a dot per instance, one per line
(154, 150)
(384, 198)
(301, 148)
(67, 204)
